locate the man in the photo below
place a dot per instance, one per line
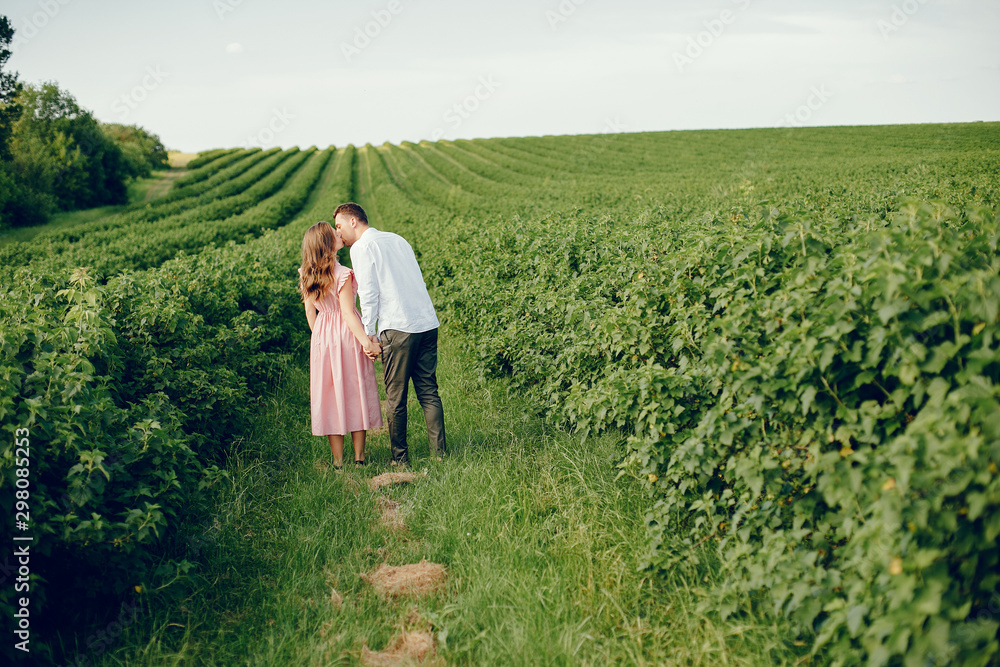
(393, 295)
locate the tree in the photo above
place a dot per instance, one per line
(142, 150)
(10, 88)
(55, 154)
(66, 148)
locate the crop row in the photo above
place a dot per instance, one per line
(207, 157)
(810, 380)
(228, 182)
(797, 330)
(129, 246)
(205, 171)
(133, 390)
(241, 161)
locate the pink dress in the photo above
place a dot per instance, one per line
(342, 387)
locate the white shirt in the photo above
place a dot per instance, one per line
(390, 285)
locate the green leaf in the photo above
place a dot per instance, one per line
(807, 398)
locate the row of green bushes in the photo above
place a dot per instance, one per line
(227, 183)
(128, 240)
(132, 390)
(812, 395)
(206, 158)
(819, 401)
(210, 178)
(798, 378)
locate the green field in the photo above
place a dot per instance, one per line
(140, 191)
(713, 397)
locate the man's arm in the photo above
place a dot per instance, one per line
(364, 270)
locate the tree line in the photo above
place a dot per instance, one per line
(55, 156)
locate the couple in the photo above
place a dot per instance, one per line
(344, 344)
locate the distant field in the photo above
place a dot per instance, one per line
(140, 191)
(794, 331)
(179, 160)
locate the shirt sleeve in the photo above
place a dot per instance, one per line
(368, 292)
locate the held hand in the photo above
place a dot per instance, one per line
(373, 349)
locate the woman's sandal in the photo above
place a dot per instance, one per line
(359, 464)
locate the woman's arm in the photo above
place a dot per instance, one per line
(311, 312)
(372, 348)
(310, 304)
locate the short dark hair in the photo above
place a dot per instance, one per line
(350, 208)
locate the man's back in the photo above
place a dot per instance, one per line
(391, 286)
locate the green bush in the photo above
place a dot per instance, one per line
(132, 390)
(845, 440)
(820, 399)
(810, 386)
(106, 477)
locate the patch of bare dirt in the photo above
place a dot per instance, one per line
(410, 648)
(390, 478)
(412, 580)
(415, 645)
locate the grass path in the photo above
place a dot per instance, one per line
(363, 191)
(162, 182)
(540, 540)
(140, 190)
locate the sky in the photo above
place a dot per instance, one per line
(205, 74)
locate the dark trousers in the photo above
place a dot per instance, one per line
(405, 357)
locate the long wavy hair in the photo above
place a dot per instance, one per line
(318, 260)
